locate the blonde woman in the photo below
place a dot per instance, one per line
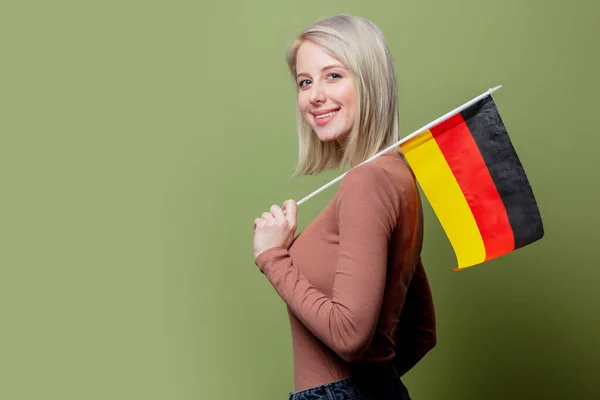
(358, 299)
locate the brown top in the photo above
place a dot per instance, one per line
(346, 276)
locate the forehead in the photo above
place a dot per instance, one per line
(312, 56)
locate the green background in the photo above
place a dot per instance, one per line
(139, 140)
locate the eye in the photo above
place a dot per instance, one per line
(334, 75)
(303, 82)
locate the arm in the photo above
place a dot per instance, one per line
(367, 213)
(416, 330)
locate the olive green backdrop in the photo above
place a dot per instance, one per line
(139, 140)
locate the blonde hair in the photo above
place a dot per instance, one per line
(361, 47)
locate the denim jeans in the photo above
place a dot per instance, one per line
(384, 384)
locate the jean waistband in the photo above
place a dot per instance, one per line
(368, 380)
(343, 388)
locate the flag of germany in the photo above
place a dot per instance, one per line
(469, 172)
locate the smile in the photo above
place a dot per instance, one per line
(324, 117)
(329, 114)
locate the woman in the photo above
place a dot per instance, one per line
(359, 304)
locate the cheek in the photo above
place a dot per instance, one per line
(303, 103)
(347, 96)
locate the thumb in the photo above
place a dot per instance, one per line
(291, 210)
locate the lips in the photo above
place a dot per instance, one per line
(324, 116)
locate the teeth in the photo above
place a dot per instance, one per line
(326, 115)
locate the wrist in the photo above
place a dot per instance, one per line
(262, 258)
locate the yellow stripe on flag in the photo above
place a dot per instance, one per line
(446, 198)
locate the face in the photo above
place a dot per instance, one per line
(326, 95)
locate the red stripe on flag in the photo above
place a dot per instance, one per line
(466, 162)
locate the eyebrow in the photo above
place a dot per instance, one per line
(325, 68)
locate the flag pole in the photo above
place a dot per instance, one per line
(415, 133)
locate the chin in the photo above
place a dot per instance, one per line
(327, 139)
(328, 136)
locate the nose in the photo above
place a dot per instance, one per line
(317, 95)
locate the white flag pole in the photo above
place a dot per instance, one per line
(415, 133)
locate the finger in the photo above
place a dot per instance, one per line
(258, 223)
(291, 210)
(267, 216)
(277, 212)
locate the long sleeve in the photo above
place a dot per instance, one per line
(367, 213)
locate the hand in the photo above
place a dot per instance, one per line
(275, 228)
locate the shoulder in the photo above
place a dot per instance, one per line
(368, 185)
(386, 175)
(369, 177)
(386, 181)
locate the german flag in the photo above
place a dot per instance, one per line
(470, 173)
